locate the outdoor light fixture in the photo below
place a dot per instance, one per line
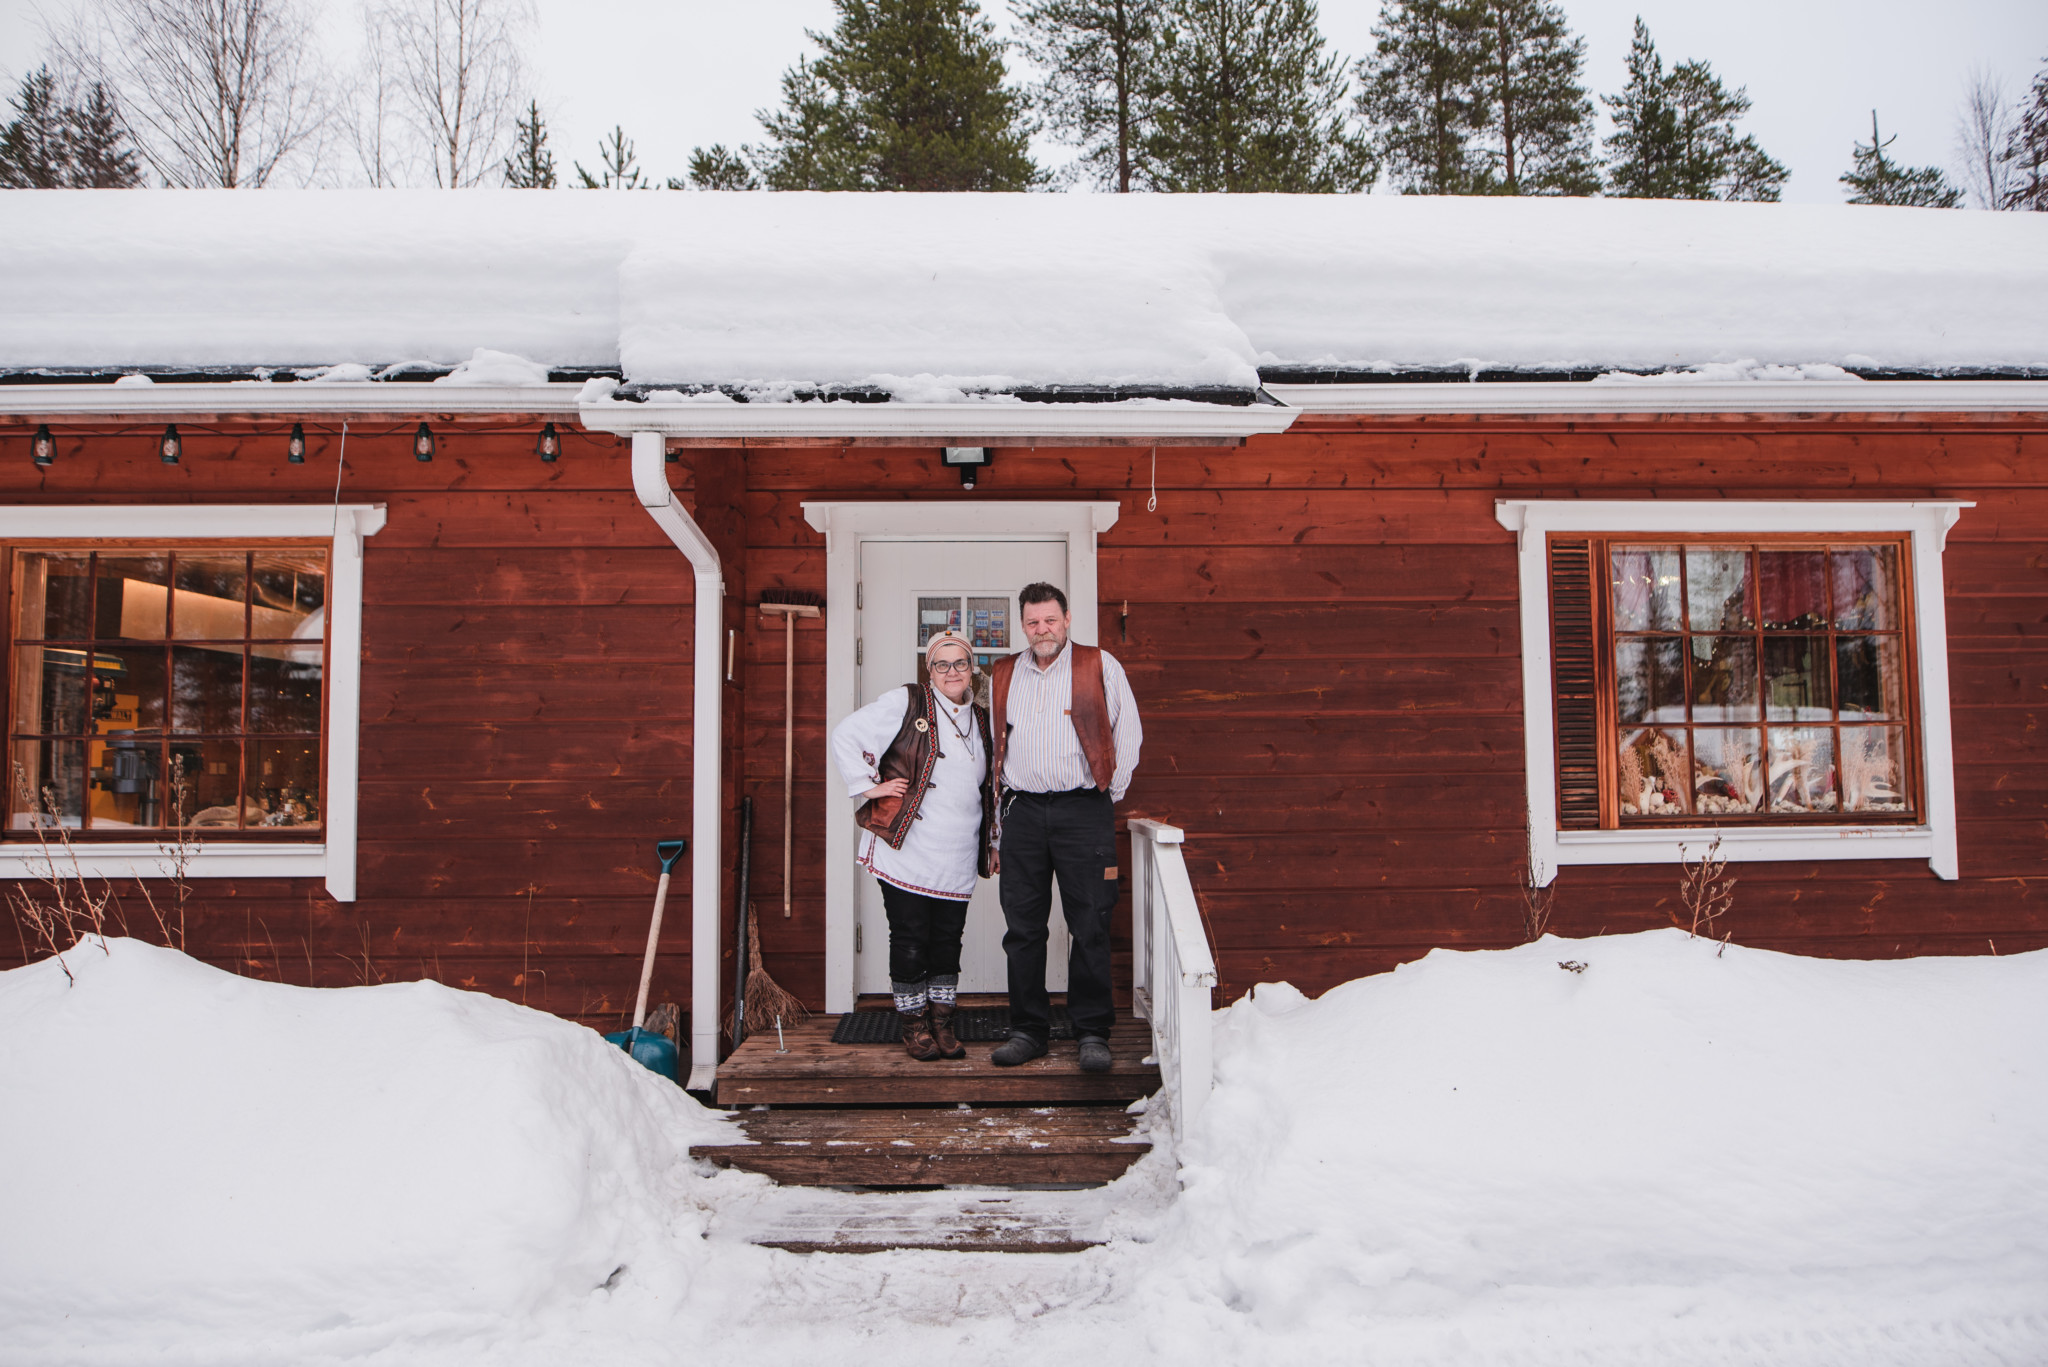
(423, 444)
(969, 460)
(170, 445)
(45, 446)
(549, 446)
(295, 449)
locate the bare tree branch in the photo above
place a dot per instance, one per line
(1984, 125)
(458, 80)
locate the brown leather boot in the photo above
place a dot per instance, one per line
(917, 1038)
(942, 1031)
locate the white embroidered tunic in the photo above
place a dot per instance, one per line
(939, 851)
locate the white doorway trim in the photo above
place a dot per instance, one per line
(845, 526)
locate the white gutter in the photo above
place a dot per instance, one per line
(973, 423)
(650, 484)
(1681, 396)
(239, 399)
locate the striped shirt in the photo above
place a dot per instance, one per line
(1043, 754)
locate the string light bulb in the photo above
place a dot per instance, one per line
(423, 444)
(45, 446)
(549, 446)
(171, 445)
(295, 449)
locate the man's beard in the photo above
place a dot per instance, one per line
(1045, 650)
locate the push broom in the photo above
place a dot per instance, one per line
(767, 1003)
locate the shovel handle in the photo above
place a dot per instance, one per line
(653, 939)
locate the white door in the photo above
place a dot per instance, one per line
(910, 590)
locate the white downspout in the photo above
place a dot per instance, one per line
(650, 484)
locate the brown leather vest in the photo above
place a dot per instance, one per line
(911, 756)
(1090, 713)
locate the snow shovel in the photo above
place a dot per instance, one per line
(649, 1049)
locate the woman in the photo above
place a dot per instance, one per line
(918, 759)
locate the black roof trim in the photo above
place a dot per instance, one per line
(1225, 395)
(1337, 374)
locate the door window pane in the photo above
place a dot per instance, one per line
(988, 623)
(1645, 588)
(935, 615)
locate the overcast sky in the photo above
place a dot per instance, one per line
(679, 73)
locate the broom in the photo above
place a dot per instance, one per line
(767, 1004)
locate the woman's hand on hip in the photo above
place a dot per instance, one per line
(888, 787)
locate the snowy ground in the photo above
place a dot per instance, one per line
(1674, 1155)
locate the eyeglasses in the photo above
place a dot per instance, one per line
(952, 666)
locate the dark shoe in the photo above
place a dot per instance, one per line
(942, 1032)
(1094, 1054)
(917, 1038)
(1019, 1048)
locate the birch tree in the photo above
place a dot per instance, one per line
(1984, 124)
(458, 81)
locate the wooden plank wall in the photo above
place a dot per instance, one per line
(1323, 635)
(525, 710)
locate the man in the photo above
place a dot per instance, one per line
(1066, 735)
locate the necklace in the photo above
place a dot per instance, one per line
(958, 730)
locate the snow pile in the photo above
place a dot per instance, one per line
(1621, 1150)
(188, 1150)
(487, 367)
(971, 292)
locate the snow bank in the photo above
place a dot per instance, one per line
(982, 291)
(1667, 1154)
(195, 1156)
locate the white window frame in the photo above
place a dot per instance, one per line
(347, 524)
(1532, 521)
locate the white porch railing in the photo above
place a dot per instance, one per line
(1173, 971)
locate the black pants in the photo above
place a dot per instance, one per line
(924, 934)
(1072, 837)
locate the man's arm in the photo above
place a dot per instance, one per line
(1124, 725)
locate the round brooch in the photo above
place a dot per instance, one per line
(923, 725)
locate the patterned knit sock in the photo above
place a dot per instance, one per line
(910, 997)
(945, 991)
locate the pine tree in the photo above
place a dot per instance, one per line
(97, 145)
(1533, 113)
(619, 169)
(1245, 98)
(1097, 56)
(34, 149)
(717, 167)
(531, 165)
(1417, 93)
(1674, 135)
(2027, 154)
(1877, 179)
(905, 95)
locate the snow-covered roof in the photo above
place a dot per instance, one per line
(927, 295)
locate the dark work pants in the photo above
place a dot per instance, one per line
(924, 934)
(1071, 837)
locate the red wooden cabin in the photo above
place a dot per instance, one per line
(1405, 629)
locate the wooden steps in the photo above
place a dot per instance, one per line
(816, 1072)
(892, 1147)
(808, 1220)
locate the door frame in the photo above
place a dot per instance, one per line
(845, 527)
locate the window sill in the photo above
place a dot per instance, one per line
(140, 859)
(1740, 844)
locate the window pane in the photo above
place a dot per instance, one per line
(53, 595)
(127, 781)
(1796, 679)
(1868, 675)
(136, 677)
(1802, 769)
(1717, 588)
(1873, 769)
(935, 615)
(1724, 678)
(49, 783)
(284, 781)
(208, 603)
(1867, 588)
(50, 690)
(1728, 772)
(134, 598)
(988, 623)
(1793, 587)
(206, 688)
(290, 595)
(284, 695)
(207, 775)
(1655, 775)
(1649, 677)
(1645, 588)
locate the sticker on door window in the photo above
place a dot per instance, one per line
(935, 615)
(988, 621)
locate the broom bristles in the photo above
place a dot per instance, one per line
(766, 1000)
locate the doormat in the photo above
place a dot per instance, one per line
(973, 1024)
